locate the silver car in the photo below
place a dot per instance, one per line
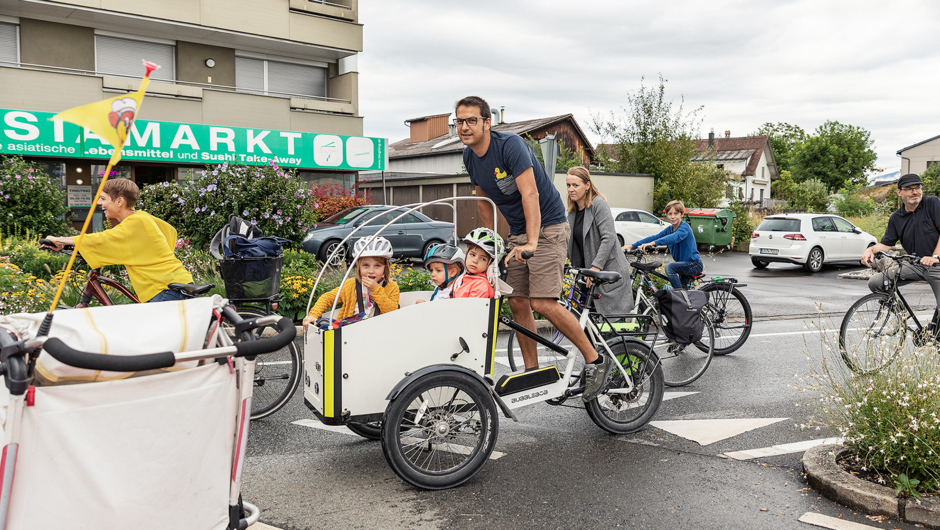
(807, 239)
(410, 236)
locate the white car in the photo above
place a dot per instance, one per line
(807, 239)
(633, 225)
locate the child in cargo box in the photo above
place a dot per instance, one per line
(372, 291)
(483, 247)
(445, 263)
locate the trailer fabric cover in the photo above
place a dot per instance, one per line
(150, 452)
(131, 329)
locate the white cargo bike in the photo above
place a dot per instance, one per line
(423, 379)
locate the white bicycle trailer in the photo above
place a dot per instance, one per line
(132, 416)
(422, 379)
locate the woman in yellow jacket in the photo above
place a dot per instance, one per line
(372, 291)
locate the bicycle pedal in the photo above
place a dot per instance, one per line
(517, 382)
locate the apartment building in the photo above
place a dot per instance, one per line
(247, 81)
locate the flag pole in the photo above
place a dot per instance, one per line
(47, 321)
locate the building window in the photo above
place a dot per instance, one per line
(9, 44)
(279, 78)
(762, 195)
(117, 56)
(932, 162)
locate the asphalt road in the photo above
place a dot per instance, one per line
(558, 470)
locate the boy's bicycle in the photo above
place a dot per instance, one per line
(95, 285)
(729, 311)
(875, 328)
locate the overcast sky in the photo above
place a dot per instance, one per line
(872, 64)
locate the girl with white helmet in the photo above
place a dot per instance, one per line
(483, 247)
(371, 293)
(445, 263)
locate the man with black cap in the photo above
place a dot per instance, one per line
(917, 225)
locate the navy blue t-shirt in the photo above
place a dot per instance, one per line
(495, 173)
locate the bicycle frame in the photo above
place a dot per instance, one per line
(93, 289)
(899, 297)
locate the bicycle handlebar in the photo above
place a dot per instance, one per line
(109, 363)
(901, 257)
(152, 361)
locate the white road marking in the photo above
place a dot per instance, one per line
(452, 448)
(341, 429)
(818, 519)
(673, 395)
(781, 449)
(705, 432)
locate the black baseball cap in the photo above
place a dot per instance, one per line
(909, 180)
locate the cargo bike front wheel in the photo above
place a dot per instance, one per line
(440, 430)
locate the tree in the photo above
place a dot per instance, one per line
(650, 136)
(784, 139)
(931, 179)
(811, 195)
(837, 155)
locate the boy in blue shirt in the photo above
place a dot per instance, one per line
(681, 242)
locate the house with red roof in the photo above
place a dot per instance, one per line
(749, 161)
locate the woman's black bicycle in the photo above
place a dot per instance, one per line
(875, 328)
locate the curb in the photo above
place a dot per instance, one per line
(826, 476)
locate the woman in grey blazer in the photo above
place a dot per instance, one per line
(593, 242)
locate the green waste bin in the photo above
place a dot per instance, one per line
(711, 227)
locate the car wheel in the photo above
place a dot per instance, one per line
(427, 247)
(327, 248)
(814, 261)
(760, 264)
(620, 239)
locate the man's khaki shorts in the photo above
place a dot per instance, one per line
(541, 276)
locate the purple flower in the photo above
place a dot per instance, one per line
(266, 215)
(17, 177)
(245, 213)
(298, 206)
(287, 219)
(316, 205)
(299, 223)
(279, 212)
(283, 198)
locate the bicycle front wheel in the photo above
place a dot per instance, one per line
(683, 364)
(730, 312)
(623, 413)
(277, 374)
(872, 333)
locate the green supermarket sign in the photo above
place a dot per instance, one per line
(29, 133)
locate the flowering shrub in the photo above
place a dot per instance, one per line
(30, 200)
(889, 419)
(329, 199)
(411, 279)
(21, 292)
(269, 196)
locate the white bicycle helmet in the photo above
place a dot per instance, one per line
(486, 239)
(372, 246)
(446, 254)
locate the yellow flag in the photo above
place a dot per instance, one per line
(112, 118)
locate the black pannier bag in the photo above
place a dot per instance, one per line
(249, 262)
(682, 311)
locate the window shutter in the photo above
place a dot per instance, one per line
(249, 75)
(8, 47)
(125, 57)
(296, 79)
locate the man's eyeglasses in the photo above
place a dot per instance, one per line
(469, 121)
(912, 189)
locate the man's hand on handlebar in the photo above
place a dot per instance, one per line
(929, 261)
(516, 252)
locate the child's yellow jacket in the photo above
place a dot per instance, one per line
(385, 297)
